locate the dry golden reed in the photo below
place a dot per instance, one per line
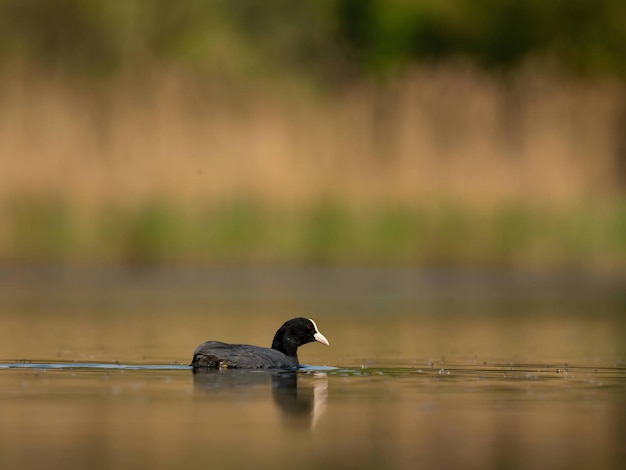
(449, 134)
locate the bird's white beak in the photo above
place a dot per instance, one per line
(321, 338)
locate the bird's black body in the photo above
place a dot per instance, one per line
(282, 355)
(217, 355)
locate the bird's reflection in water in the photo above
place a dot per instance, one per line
(300, 396)
(307, 402)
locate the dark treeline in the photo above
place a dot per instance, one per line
(325, 39)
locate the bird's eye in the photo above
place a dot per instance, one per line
(308, 326)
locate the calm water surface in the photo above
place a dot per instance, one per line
(424, 370)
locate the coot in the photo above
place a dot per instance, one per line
(282, 355)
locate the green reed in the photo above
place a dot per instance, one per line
(328, 232)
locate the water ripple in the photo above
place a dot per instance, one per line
(492, 371)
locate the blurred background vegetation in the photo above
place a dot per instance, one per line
(432, 132)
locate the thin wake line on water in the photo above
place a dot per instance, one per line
(28, 364)
(91, 365)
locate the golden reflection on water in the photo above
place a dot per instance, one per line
(160, 419)
(434, 384)
(393, 338)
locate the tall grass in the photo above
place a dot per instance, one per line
(445, 166)
(322, 233)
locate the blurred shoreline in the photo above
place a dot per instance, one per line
(445, 167)
(198, 285)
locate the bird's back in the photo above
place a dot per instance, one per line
(216, 355)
